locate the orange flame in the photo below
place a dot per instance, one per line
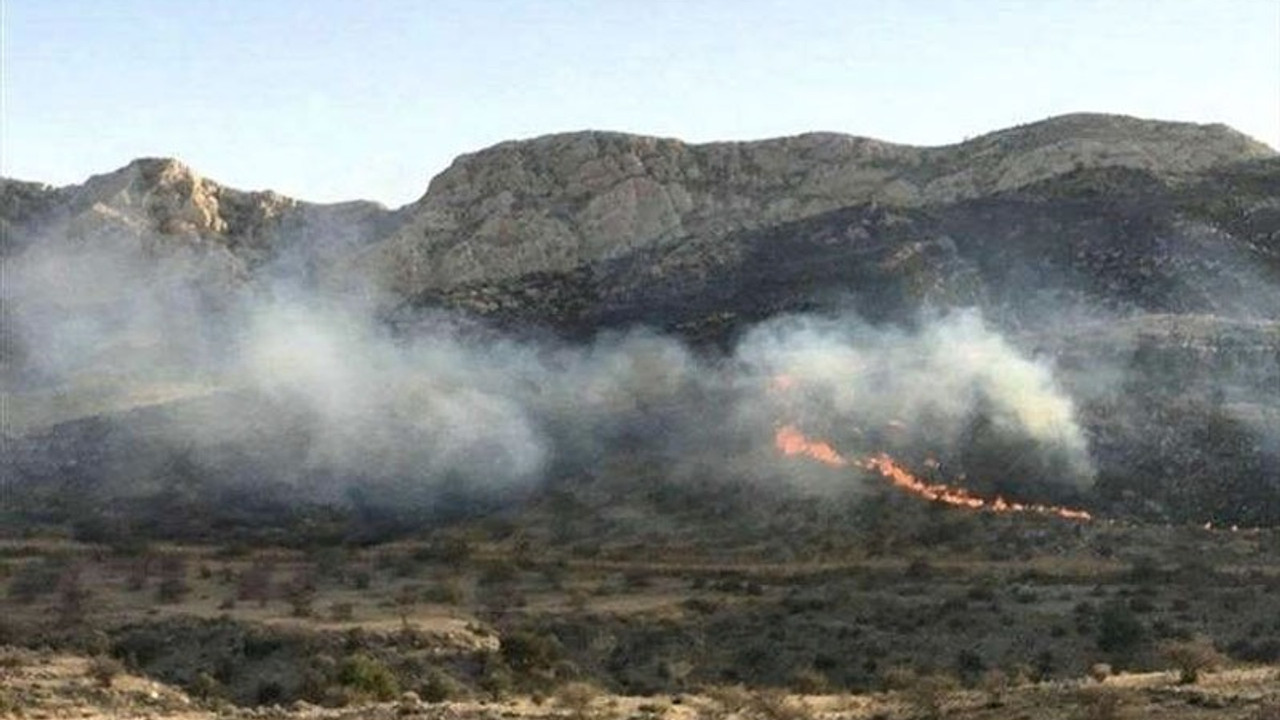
(793, 443)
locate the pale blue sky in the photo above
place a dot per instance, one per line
(342, 99)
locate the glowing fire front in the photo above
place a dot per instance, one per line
(793, 443)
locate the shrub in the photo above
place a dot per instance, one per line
(928, 694)
(173, 579)
(526, 651)
(445, 592)
(300, 593)
(995, 683)
(1102, 704)
(9, 702)
(206, 687)
(103, 670)
(171, 590)
(1190, 657)
(405, 600)
(439, 686)
(495, 678)
(775, 705)
(969, 666)
(342, 611)
(577, 698)
(898, 677)
(808, 681)
(731, 698)
(368, 677)
(73, 596)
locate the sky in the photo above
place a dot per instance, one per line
(329, 100)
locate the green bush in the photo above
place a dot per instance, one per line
(368, 677)
(439, 686)
(526, 652)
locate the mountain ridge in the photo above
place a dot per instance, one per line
(611, 201)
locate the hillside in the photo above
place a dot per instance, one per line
(150, 313)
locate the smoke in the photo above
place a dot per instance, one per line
(287, 385)
(928, 386)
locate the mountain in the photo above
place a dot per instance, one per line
(555, 203)
(164, 206)
(1140, 258)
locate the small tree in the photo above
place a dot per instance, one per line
(406, 599)
(1191, 657)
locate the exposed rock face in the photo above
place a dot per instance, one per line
(162, 208)
(554, 203)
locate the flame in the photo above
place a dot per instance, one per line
(793, 443)
(958, 496)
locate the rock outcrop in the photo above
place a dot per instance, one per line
(558, 202)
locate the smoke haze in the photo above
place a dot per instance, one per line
(294, 386)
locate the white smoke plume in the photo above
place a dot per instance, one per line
(931, 380)
(311, 390)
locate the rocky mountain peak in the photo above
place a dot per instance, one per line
(556, 202)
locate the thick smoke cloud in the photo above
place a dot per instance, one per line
(928, 383)
(309, 389)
